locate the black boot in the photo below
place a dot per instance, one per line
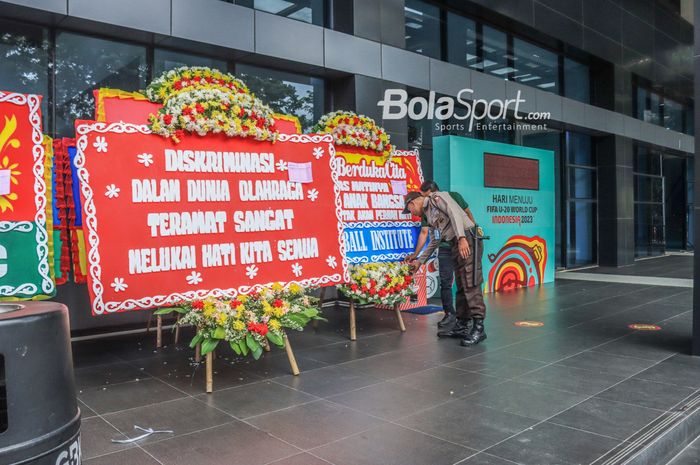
(448, 320)
(476, 335)
(460, 330)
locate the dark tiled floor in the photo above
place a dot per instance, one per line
(670, 266)
(564, 393)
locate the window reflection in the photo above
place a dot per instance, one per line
(494, 53)
(576, 81)
(461, 40)
(535, 66)
(422, 28)
(24, 54)
(85, 63)
(581, 240)
(308, 11)
(165, 60)
(286, 93)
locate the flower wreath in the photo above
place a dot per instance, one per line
(247, 321)
(201, 100)
(385, 283)
(349, 128)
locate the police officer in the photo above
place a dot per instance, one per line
(444, 254)
(444, 215)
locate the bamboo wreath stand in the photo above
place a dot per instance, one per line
(209, 358)
(353, 326)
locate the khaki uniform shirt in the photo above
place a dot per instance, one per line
(445, 215)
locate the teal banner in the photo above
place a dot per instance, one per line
(510, 191)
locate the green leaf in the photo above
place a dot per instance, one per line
(276, 339)
(163, 311)
(219, 333)
(297, 318)
(179, 310)
(209, 345)
(234, 346)
(244, 348)
(254, 346)
(310, 312)
(195, 340)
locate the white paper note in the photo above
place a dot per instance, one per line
(300, 172)
(4, 182)
(399, 187)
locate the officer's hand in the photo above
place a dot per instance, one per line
(414, 265)
(409, 258)
(464, 250)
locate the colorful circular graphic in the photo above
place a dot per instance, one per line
(519, 263)
(644, 327)
(529, 324)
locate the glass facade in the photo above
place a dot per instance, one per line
(25, 60)
(287, 93)
(461, 40)
(577, 84)
(535, 66)
(582, 201)
(422, 28)
(654, 108)
(648, 204)
(78, 64)
(85, 63)
(481, 47)
(493, 57)
(165, 60)
(308, 11)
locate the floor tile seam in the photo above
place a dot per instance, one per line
(587, 398)
(269, 380)
(490, 455)
(694, 388)
(394, 380)
(279, 410)
(423, 410)
(642, 442)
(126, 435)
(384, 421)
(627, 356)
(379, 381)
(293, 455)
(598, 301)
(131, 446)
(178, 436)
(572, 392)
(101, 365)
(393, 422)
(149, 454)
(234, 419)
(615, 313)
(664, 383)
(447, 401)
(116, 412)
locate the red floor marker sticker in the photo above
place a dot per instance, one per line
(644, 327)
(529, 324)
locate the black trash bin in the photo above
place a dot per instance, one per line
(39, 415)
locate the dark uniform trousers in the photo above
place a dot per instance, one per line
(469, 277)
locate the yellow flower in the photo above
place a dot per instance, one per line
(277, 287)
(274, 325)
(221, 318)
(242, 298)
(238, 325)
(279, 312)
(295, 288)
(267, 308)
